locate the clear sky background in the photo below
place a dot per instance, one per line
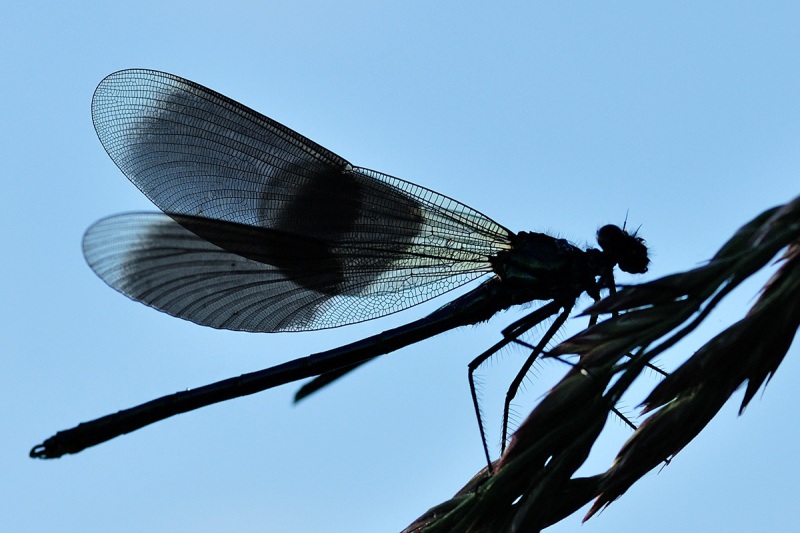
(553, 117)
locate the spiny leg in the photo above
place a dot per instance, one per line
(535, 353)
(510, 334)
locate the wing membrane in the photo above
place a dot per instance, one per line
(223, 275)
(377, 244)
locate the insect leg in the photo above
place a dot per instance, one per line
(510, 334)
(537, 351)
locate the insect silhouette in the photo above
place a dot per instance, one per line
(263, 230)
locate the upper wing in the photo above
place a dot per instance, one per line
(309, 240)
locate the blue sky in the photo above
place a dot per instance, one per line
(547, 117)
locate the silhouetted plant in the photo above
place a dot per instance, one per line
(532, 484)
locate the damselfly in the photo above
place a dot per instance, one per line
(264, 230)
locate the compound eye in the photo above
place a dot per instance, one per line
(609, 237)
(626, 250)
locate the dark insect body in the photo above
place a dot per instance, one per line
(264, 230)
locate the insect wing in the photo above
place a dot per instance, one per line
(268, 231)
